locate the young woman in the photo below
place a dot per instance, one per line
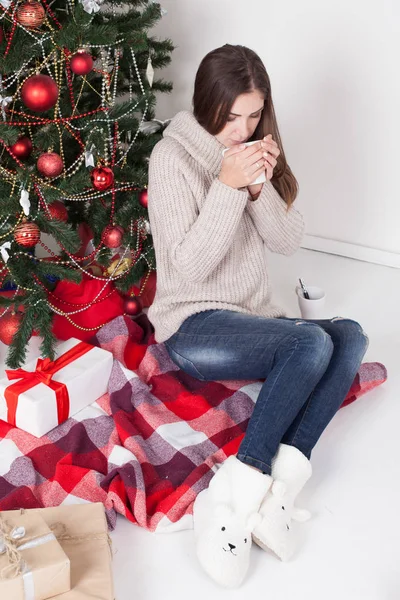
(213, 306)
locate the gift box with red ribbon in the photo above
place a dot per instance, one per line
(45, 393)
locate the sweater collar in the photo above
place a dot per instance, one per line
(201, 145)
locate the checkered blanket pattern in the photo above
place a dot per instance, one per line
(145, 449)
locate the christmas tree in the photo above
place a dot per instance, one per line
(77, 127)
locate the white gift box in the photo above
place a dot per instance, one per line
(86, 379)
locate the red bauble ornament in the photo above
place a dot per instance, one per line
(102, 178)
(39, 93)
(9, 325)
(50, 164)
(58, 211)
(31, 14)
(132, 305)
(112, 236)
(81, 63)
(143, 198)
(22, 147)
(27, 234)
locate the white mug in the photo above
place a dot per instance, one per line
(261, 178)
(314, 307)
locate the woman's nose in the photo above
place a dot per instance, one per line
(244, 131)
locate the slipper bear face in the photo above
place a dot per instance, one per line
(224, 546)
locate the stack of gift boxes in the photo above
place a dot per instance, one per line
(63, 551)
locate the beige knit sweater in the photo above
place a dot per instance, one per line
(209, 238)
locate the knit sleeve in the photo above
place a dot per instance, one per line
(197, 239)
(281, 229)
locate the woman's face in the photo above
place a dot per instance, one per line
(245, 115)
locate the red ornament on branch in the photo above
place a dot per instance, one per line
(81, 63)
(9, 325)
(39, 93)
(132, 305)
(143, 198)
(31, 14)
(112, 236)
(58, 211)
(22, 147)
(27, 234)
(50, 164)
(102, 178)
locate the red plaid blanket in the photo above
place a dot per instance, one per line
(148, 447)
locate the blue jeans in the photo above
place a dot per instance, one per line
(308, 367)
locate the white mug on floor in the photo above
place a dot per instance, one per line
(314, 307)
(261, 178)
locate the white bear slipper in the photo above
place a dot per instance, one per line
(224, 517)
(290, 470)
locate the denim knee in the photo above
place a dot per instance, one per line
(352, 329)
(314, 344)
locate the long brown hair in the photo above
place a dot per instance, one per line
(224, 74)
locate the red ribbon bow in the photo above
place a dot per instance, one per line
(45, 369)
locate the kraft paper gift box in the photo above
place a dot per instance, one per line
(33, 566)
(46, 393)
(81, 530)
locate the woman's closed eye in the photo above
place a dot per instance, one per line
(230, 119)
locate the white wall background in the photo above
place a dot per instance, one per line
(334, 70)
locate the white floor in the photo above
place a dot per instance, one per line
(350, 548)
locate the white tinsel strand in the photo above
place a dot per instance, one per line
(144, 112)
(116, 71)
(84, 127)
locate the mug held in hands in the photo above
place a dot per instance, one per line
(261, 178)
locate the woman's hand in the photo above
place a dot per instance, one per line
(270, 162)
(242, 164)
(271, 147)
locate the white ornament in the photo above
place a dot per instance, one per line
(149, 127)
(5, 3)
(89, 158)
(163, 10)
(4, 100)
(91, 6)
(5, 256)
(150, 72)
(24, 202)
